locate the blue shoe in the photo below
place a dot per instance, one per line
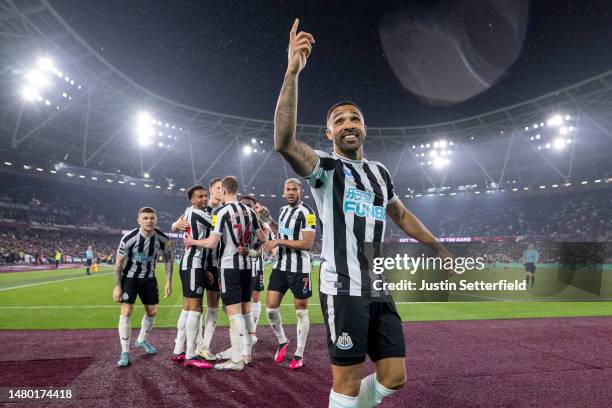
(146, 346)
(124, 360)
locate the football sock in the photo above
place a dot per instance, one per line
(179, 342)
(145, 327)
(210, 323)
(303, 325)
(191, 328)
(337, 400)
(236, 336)
(274, 318)
(371, 392)
(124, 333)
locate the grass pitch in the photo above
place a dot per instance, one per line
(67, 299)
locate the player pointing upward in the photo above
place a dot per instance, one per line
(353, 196)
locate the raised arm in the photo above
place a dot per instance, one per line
(301, 157)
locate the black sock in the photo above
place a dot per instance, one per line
(532, 281)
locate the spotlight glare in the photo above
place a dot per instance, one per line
(37, 79)
(146, 175)
(253, 141)
(563, 131)
(247, 150)
(45, 63)
(559, 144)
(567, 117)
(555, 120)
(547, 145)
(29, 93)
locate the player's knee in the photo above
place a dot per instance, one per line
(151, 313)
(347, 386)
(393, 379)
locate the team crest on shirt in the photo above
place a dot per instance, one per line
(348, 173)
(344, 342)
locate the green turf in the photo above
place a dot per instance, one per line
(66, 299)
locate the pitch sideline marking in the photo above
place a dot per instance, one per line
(53, 281)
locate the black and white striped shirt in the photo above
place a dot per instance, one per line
(212, 255)
(237, 224)
(141, 252)
(291, 223)
(200, 222)
(352, 198)
(257, 263)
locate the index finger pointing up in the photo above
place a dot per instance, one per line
(294, 29)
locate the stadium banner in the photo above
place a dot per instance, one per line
(499, 271)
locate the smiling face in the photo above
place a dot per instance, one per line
(199, 198)
(347, 130)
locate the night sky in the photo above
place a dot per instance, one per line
(230, 56)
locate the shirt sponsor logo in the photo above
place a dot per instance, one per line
(360, 203)
(344, 342)
(285, 231)
(142, 257)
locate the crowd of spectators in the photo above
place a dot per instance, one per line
(39, 218)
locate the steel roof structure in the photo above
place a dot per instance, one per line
(88, 123)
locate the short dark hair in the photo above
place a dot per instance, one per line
(193, 189)
(248, 197)
(149, 210)
(213, 181)
(230, 184)
(341, 103)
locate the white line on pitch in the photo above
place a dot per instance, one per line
(53, 281)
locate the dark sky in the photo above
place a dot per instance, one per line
(229, 56)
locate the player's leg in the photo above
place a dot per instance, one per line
(258, 287)
(192, 327)
(390, 376)
(277, 286)
(301, 287)
(386, 348)
(181, 335)
(533, 268)
(255, 312)
(346, 322)
(246, 286)
(209, 322)
(125, 317)
(149, 296)
(527, 275)
(231, 296)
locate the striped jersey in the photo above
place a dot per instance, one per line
(237, 224)
(200, 222)
(351, 197)
(257, 263)
(141, 252)
(291, 223)
(212, 255)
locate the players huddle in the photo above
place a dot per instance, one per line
(225, 240)
(353, 195)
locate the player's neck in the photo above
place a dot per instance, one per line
(230, 198)
(357, 155)
(296, 204)
(146, 233)
(215, 203)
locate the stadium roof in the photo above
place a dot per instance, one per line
(88, 119)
